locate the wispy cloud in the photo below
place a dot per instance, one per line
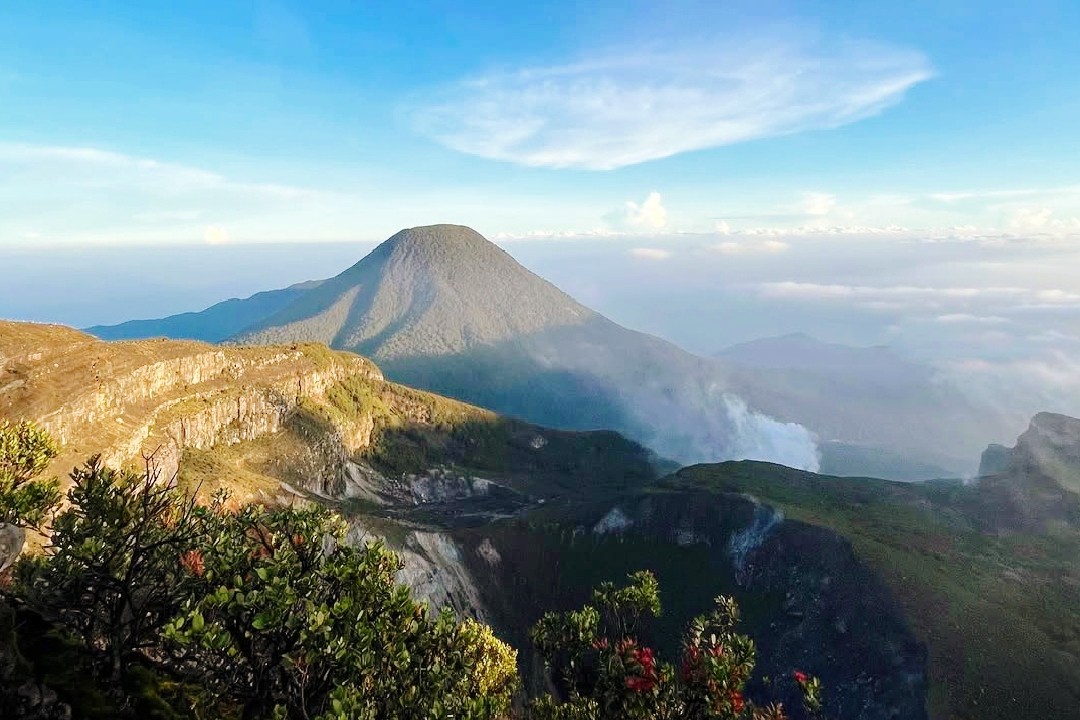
(64, 194)
(630, 106)
(969, 319)
(818, 203)
(651, 253)
(93, 167)
(914, 296)
(767, 247)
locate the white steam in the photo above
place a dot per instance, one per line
(695, 424)
(759, 437)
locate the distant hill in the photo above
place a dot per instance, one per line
(214, 324)
(875, 412)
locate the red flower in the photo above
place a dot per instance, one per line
(639, 684)
(600, 644)
(192, 561)
(737, 702)
(643, 658)
(691, 663)
(801, 677)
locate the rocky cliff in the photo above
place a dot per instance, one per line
(134, 399)
(1050, 446)
(1035, 485)
(283, 424)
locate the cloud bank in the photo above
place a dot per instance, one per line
(630, 106)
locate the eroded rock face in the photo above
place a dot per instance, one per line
(1050, 445)
(128, 400)
(12, 539)
(1036, 484)
(433, 568)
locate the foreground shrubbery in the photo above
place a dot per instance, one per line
(147, 604)
(167, 608)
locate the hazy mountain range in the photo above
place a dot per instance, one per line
(442, 308)
(873, 410)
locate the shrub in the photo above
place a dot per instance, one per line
(291, 623)
(109, 575)
(25, 453)
(171, 609)
(600, 669)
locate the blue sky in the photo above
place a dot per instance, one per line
(870, 172)
(214, 122)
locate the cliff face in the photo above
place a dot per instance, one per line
(1050, 446)
(281, 424)
(127, 400)
(1035, 484)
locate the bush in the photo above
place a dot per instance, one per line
(600, 670)
(25, 452)
(290, 623)
(172, 609)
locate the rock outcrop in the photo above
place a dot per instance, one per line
(1034, 485)
(1050, 446)
(134, 399)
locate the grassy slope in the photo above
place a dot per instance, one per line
(999, 613)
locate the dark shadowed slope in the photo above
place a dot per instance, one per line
(214, 324)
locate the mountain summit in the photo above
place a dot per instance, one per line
(427, 291)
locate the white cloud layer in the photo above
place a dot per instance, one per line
(915, 295)
(766, 247)
(632, 106)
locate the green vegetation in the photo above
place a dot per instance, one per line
(163, 608)
(996, 609)
(147, 603)
(25, 452)
(413, 431)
